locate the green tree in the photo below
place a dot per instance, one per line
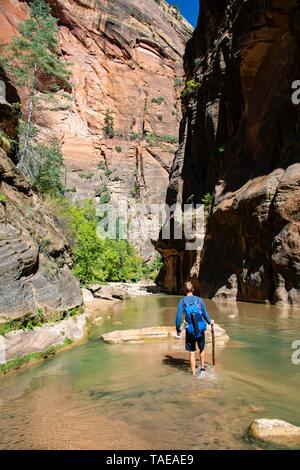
(34, 55)
(87, 247)
(48, 179)
(119, 261)
(98, 259)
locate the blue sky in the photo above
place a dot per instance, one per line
(189, 9)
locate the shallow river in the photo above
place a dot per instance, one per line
(139, 396)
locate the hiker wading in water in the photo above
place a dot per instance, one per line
(195, 313)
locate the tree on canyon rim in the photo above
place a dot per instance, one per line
(32, 58)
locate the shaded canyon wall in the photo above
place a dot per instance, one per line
(240, 142)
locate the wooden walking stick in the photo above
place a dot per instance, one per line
(213, 345)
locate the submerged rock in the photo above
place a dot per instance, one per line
(275, 431)
(120, 336)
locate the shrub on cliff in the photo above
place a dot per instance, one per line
(159, 100)
(48, 179)
(190, 88)
(108, 124)
(207, 201)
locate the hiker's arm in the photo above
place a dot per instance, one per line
(179, 317)
(205, 314)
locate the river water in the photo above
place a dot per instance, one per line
(142, 396)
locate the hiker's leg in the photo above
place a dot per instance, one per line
(193, 362)
(201, 344)
(190, 347)
(202, 359)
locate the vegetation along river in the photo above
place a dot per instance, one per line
(142, 395)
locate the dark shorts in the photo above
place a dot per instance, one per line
(190, 342)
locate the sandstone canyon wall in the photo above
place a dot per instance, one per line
(240, 142)
(34, 253)
(126, 60)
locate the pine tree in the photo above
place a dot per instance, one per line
(34, 54)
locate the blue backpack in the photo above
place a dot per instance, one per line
(193, 316)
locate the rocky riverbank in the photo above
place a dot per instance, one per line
(119, 290)
(21, 347)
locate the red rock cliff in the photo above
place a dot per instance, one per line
(126, 59)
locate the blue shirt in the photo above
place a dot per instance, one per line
(190, 299)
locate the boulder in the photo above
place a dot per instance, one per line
(95, 288)
(119, 290)
(34, 253)
(275, 431)
(103, 293)
(87, 295)
(119, 293)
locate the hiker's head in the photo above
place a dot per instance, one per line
(188, 288)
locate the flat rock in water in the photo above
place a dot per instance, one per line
(165, 332)
(275, 431)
